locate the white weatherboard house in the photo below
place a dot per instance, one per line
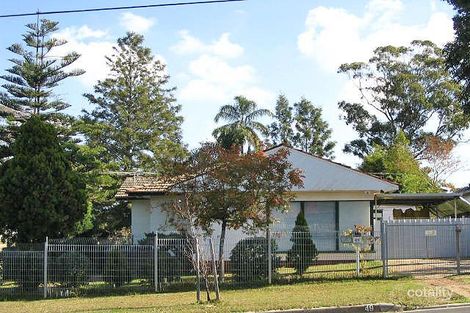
(334, 198)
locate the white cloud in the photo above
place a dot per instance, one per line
(93, 47)
(334, 36)
(136, 23)
(222, 47)
(214, 76)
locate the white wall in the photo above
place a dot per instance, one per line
(140, 218)
(148, 217)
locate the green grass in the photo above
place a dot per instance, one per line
(300, 295)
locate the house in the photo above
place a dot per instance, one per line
(335, 197)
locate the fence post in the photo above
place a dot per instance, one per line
(155, 261)
(270, 255)
(458, 230)
(214, 269)
(383, 235)
(46, 248)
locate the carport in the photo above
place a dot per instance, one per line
(441, 204)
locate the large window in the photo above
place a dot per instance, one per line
(321, 217)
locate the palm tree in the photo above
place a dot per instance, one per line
(242, 127)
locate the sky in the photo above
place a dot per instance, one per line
(256, 48)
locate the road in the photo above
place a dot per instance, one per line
(462, 309)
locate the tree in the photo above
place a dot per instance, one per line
(404, 89)
(135, 125)
(312, 132)
(303, 252)
(398, 164)
(440, 160)
(281, 130)
(40, 194)
(30, 82)
(302, 127)
(457, 52)
(243, 125)
(136, 118)
(236, 190)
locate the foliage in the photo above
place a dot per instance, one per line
(398, 164)
(404, 89)
(136, 121)
(170, 251)
(243, 126)
(135, 126)
(117, 271)
(281, 130)
(73, 269)
(29, 83)
(458, 51)
(303, 252)
(312, 132)
(302, 127)
(440, 160)
(39, 187)
(24, 267)
(233, 190)
(249, 259)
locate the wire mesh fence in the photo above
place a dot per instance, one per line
(87, 266)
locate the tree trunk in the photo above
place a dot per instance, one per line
(221, 251)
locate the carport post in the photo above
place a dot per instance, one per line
(458, 230)
(383, 236)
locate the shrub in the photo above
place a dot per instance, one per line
(117, 271)
(173, 262)
(72, 269)
(249, 259)
(303, 252)
(26, 268)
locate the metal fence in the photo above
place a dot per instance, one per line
(426, 247)
(63, 268)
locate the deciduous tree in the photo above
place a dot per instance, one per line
(458, 51)
(398, 164)
(236, 190)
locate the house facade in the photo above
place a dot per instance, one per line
(334, 198)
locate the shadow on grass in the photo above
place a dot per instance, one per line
(98, 291)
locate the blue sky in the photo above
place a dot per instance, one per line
(258, 48)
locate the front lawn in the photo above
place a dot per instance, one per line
(301, 295)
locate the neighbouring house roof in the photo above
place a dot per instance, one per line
(137, 186)
(320, 175)
(325, 175)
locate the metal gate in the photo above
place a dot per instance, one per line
(426, 247)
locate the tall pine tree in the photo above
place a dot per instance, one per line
(29, 84)
(135, 126)
(40, 194)
(312, 131)
(136, 119)
(281, 130)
